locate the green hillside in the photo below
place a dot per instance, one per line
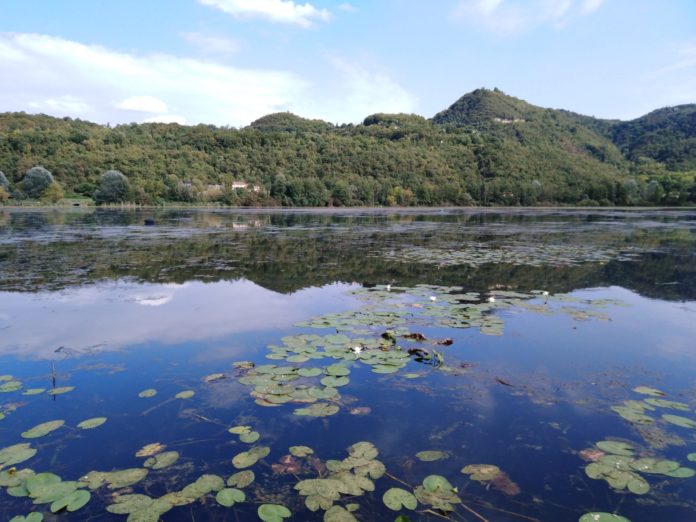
(488, 148)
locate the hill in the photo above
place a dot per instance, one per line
(488, 148)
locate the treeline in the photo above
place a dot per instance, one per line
(487, 149)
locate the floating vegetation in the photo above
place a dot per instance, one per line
(678, 420)
(162, 460)
(42, 429)
(647, 390)
(397, 498)
(114, 479)
(49, 488)
(31, 517)
(320, 409)
(33, 391)
(187, 394)
(90, 424)
(437, 492)
(303, 451)
(228, 497)
(16, 454)
(150, 449)
(139, 508)
(10, 386)
(146, 394)
(493, 476)
(61, 390)
(273, 512)
(241, 479)
(431, 456)
(602, 517)
(663, 403)
(246, 459)
(213, 377)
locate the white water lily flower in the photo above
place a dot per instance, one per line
(433, 298)
(491, 299)
(356, 349)
(388, 288)
(544, 293)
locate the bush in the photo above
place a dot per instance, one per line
(4, 196)
(113, 188)
(36, 181)
(4, 184)
(53, 193)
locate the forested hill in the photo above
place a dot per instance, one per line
(488, 148)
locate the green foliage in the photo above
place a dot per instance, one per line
(113, 188)
(486, 149)
(36, 181)
(4, 183)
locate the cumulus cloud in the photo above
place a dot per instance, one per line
(510, 17)
(280, 11)
(143, 104)
(68, 78)
(212, 44)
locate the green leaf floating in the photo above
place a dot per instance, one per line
(239, 430)
(273, 512)
(431, 456)
(337, 370)
(61, 390)
(434, 482)
(72, 502)
(301, 451)
(42, 429)
(309, 372)
(16, 454)
(162, 460)
(647, 390)
(241, 479)
(247, 459)
(681, 473)
(338, 514)
(229, 496)
(602, 517)
(680, 421)
(146, 394)
(615, 447)
(250, 437)
(185, 394)
(31, 517)
(691, 457)
(34, 391)
(396, 498)
(90, 424)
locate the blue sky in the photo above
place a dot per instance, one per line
(228, 62)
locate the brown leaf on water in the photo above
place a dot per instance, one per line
(150, 449)
(445, 342)
(504, 484)
(415, 336)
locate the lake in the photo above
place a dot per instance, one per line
(372, 365)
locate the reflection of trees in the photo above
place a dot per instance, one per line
(287, 252)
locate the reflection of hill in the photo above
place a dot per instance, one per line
(287, 252)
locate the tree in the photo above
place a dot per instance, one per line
(4, 184)
(53, 193)
(36, 181)
(113, 188)
(4, 196)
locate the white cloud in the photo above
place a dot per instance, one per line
(212, 44)
(686, 58)
(143, 104)
(65, 78)
(348, 8)
(511, 17)
(281, 11)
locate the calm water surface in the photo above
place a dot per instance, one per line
(516, 339)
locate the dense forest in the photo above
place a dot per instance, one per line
(488, 148)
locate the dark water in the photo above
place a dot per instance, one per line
(553, 317)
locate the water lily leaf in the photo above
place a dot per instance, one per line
(334, 382)
(337, 370)
(146, 394)
(615, 447)
(602, 517)
(309, 372)
(338, 514)
(682, 473)
(663, 403)
(126, 504)
(16, 454)
(10, 386)
(250, 437)
(433, 483)
(31, 517)
(273, 512)
(396, 498)
(214, 377)
(241, 479)
(150, 449)
(247, 459)
(187, 394)
(90, 424)
(36, 483)
(301, 451)
(34, 391)
(229, 496)
(653, 465)
(42, 429)
(680, 421)
(647, 390)
(633, 415)
(114, 479)
(431, 456)
(162, 460)
(320, 409)
(239, 430)
(72, 502)
(482, 472)
(691, 457)
(638, 485)
(61, 390)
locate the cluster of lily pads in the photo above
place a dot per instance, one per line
(638, 411)
(11, 384)
(516, 253)
(46, 488)
(616, 462)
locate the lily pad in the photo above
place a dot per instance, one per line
(334, 382)
(61, 390)
(247, 459)
(301, 451)
(602, 517)
(31, 517)
(146, 394)
(16, 454)
(339, 514)
(682, 473)
(34, 391)
(42, 429)
(150, 449)
(90, 424)
(250, 437)
(680, 421)
(238, 430)
(187, 394)
(273, 512)
(431, 456)
(114, 479)
(229, 496)
(482, 472)
(647, 390)
(214, 377)
(72, 502)
(162, 460)
(434, 482)
(241, 479)
(615, 447)
(320, 409)
(396, 498)
(309, 372)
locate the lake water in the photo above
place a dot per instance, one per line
(491, 365)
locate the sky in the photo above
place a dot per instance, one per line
(229, 62)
